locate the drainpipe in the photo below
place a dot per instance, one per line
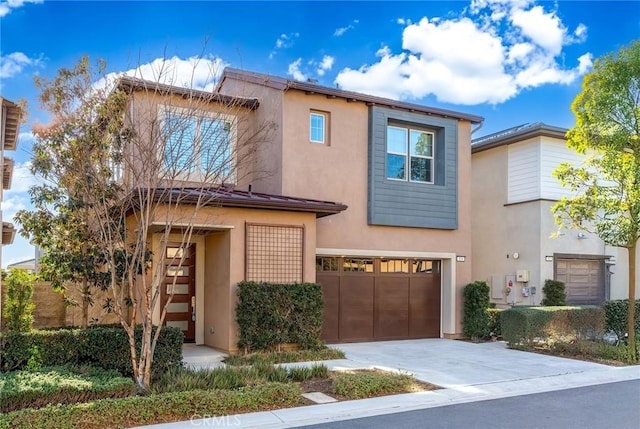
(477, 128)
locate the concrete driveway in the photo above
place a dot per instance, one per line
(452, 363)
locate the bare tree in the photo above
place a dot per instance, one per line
(146, 162)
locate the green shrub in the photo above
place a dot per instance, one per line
(325, 353)
(522, 327)
(494, 321)
(18, 308)
(593, 350)
(225, 378)
(270, 315)
(616, 314)
(476, 318)
(60, 385)
(363, 384)
(554, 293)
(145, 410)
(100, 346)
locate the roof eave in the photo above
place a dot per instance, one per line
(12, 118)
(539, 131)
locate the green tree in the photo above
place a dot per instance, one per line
(607, 185)
(72, 255)
(18, 308)
(135, 180)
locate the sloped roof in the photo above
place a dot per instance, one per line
(12, 117)
(7, 173)
(517, 134)
(283, 84)
(128, 83)
(229, 197)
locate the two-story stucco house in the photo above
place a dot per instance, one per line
(513, 190)
(368, 196)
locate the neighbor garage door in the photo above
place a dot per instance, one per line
(583, 279)
(368, 299)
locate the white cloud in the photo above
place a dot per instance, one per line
(325, 65)
(340, 31)
(283, 42)
(294, 70)
(7, 6)
(17, 197)
(499, 49)
(13, 64)
(194, 72)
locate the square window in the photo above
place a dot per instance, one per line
(318, 127)
(409, 151)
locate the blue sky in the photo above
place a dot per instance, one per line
(510, 61)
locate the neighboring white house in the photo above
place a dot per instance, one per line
(513, 190)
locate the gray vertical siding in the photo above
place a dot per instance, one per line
(403, 203)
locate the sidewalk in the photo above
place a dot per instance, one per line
(467, 372)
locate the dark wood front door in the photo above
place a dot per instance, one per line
(179, 285)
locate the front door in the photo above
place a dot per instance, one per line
(179, 281)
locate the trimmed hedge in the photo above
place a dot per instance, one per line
(522, 327)
(99, 346)
(476, 319)
(60, 385)
(272, 314)
(495, 329)
(616, 314)
(554, 293)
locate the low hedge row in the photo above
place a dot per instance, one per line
(524, 326)
(99, 346)
(60, 385)
(271, 314)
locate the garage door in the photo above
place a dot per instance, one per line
(367, 299)
(583, 279)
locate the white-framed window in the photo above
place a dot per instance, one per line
(410, 154)
(199, 144)
(318, 122)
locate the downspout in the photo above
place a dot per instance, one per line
(477, 128)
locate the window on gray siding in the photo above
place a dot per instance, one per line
(409, 150)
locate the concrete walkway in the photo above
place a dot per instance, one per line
(466, 371)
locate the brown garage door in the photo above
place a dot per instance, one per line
(583, 279)
(369, 299)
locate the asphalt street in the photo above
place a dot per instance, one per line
(613, 405)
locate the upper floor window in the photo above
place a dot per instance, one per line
(318, 127)
(199, 145)
(409, 154)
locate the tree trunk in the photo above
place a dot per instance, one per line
(631, 328)
(85, 303)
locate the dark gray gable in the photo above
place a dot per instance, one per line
(404, 203)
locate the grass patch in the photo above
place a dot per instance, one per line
(230, 378)
(311, 355)
(169, 407)
(60, 385)
(591, 350)
(372, 383)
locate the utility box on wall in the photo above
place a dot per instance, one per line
(522, 276)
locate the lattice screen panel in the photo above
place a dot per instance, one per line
(275, 253)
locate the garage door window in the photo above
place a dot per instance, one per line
(363, 265)
(394, 266)
(427, 267)
(326, 264)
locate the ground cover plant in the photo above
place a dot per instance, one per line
(309, 355)
(181, 394)
(60, 385)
